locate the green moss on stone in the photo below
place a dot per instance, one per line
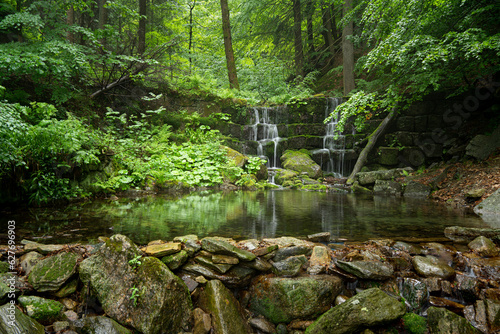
(43, 310)
(414, 323)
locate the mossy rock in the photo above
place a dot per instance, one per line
(4, 267)
(13, 321)
(314, 187)
(283, 175)
(301, 163)
(51, 273)
(414, 323)
(98, 325)
(239, 159)
(45, 311)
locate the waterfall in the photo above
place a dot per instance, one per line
(335, 147)
(264, 130)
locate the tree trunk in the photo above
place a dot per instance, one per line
(310, 35)
(348, 52)
(101, 20)
(191, 8)
(372, 139)
(141, 46)
(228, 46)
(335, 34)
(327, 31)
(70, 20)
(297, 32)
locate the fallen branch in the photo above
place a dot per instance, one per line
(372, 139)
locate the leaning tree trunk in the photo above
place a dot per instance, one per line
(228, 45)
(372, 139)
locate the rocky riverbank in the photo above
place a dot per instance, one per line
(282, 285)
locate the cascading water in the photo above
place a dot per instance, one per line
(264, 131)
(333, 147)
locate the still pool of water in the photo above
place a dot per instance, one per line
(240, 215)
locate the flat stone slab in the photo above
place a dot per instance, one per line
(20, 323)
(30, 246)
(162, 250)
(218, 246)
(430, 266)
(51, 273)
(367, 269)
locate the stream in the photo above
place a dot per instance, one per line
(239, 215)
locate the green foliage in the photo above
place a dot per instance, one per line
(46, 188)
(135, 262)
(136, 294)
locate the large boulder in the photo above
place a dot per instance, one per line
(51, 273)
(370, 308)
(285, 299)
(442, 321)
(13, 321)
(481, 146)
(368, 178)
(301, 163)
(226, 312)
(99, 325)
(489, 209)
(149, 297)
(467, 234)
(431, 266)
(45, 311)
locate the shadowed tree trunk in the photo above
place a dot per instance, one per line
(348, 52)
(297, 32)
(101, 19)
(228, 46)
(141, 47)
(327, 31)
(70, 20)
(310, 35)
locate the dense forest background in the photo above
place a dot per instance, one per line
(65, 63)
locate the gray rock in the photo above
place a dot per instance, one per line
(202, 322)
(319, 237)
(45, 311)
(282, 300)
(44, 249)
(13, 321)
(431, 266)
(238, 276)
(467, 234)
(387, 187)
(484, 247)
(227, 314)
(442, 321)
(416, 294)
(258, 264)
(176, 260)
(372, 270)
(467, 287)
(409, 248)
(263, 325)
(416, 189)
(481, 146)
(99, 325)
(372, 307)
(162, 301)
(29, 260)
(489, 209)
(218, 246)
(301, 163)
(290, 266)
(51, 273)
(368, 178)
(286, 252)
(207, 262)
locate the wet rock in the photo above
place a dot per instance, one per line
(265, 250)
(250, 244)
(207, 262)
(283, 299)
(439, 250)
(372, 270)
(372, 307)
(416, 295)
(99, 325)
(301, 163)
(217, 246)
(409, 248)
(446, 303)
(162, 250)
(262, 325)
(202, 322)
(416, 189)
(162, 299)
(286, 252)
(238, 276)
(467, 234)
(51, 273)
(283, 175)
(224, 259)
(486, 268)
(13, 321)
(290, 266)
(45, 311)
(467, 287)
(431, 266)
(176, 260)
(227, 314)
(387, 187)
(319, 237)
(433, 284)
(288, 242)
(357, 189)
(258, 264)
(29, 260)
(442, 321)
(31, 246)
(484, 247)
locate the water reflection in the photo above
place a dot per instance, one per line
(242, 215)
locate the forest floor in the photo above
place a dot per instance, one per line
(462, 184)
